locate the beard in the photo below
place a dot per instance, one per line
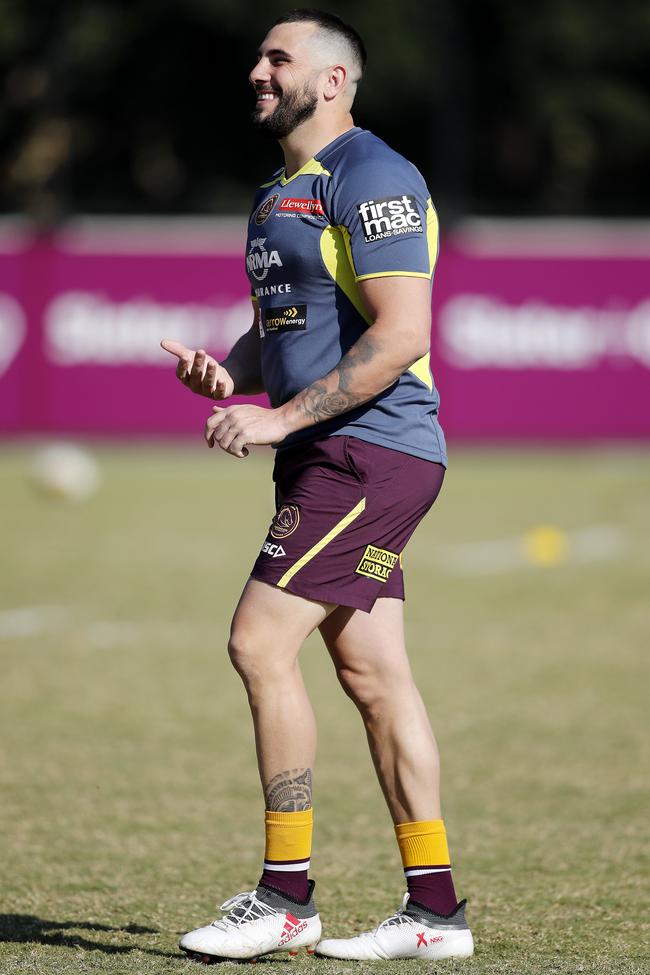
(292, 110)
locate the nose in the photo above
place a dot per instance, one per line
(260, 73)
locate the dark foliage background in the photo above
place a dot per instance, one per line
(142, 106)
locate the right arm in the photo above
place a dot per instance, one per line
(240, 372)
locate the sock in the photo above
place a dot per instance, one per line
(287, 852)
(425, 857)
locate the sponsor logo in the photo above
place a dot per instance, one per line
(423, 941)
(297, 205)
(480, 331)
(291, 319)
(292, 927)
(389, 217)
(286, 521)
(272, 289)
(265, 209)
(275, 551)
(377, 563)
(260, 261)
(84, 327)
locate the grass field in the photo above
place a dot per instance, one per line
(129, 790)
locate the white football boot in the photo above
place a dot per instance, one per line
(257, 922)
(412, 932)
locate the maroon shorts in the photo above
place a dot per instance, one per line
(345, 510)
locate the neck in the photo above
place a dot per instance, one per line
(309, 138)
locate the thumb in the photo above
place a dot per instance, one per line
(177, 349)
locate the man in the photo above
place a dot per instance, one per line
(341, 248)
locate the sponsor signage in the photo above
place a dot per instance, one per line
(377, 563)
(292, 318)
(529, 343)
(389, 217)
(295, 205)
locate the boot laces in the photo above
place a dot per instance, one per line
(242, 908)
(399, 917)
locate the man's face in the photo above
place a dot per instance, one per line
(285, 80)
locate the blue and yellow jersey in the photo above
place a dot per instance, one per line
(357, 210)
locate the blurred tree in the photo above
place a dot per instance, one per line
(143, 106)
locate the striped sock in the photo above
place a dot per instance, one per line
(425, 857)
(287, 852)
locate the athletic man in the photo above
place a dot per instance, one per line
(342, 243)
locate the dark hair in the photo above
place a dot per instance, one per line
(330, 23)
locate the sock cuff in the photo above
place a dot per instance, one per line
(288, 819)
(288, 838)
(423, 844)
(423, 827)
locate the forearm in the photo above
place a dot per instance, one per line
(244, 365)
(372, 365)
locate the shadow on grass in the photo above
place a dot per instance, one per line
(27, 929)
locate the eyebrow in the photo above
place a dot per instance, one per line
(274, 52)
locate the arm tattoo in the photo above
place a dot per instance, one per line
(319, 401)
(289, 791)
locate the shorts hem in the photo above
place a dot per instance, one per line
(322, 595)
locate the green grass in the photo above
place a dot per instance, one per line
(130, 802)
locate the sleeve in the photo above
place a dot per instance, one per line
(389, 224)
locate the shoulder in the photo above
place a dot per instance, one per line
(366, 165)
(364, 153)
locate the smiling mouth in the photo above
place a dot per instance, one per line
(266, 96)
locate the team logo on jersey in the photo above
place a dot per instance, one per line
(288, 319)
(265, 209)
(286, 521)
(377, 563)
(260, 261)
(389, 217)
(298, 205)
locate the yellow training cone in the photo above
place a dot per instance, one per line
(545, 545)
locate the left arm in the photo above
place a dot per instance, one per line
(400, 308)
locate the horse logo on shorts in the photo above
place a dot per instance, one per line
(286, 521)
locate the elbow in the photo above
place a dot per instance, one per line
(418, 351)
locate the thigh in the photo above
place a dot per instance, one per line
(367, 643)
(270, 620)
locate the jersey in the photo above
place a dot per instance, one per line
(356, 210)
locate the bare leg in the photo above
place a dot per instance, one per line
(369, 653)
(268, 630)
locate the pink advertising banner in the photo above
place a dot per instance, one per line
(539, 332)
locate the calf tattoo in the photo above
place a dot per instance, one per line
(289, 791)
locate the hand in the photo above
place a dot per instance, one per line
(200, 372)
(236, 426)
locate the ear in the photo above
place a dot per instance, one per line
(334, 81)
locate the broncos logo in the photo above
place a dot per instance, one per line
(286, 521)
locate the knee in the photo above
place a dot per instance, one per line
(253, 657)
(368, 689)
(244, 655)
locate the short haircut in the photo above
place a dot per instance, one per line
(330, 24)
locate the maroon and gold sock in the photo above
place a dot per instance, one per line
(425, 857)
(287, 852)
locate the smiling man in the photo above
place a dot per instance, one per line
(342, 243)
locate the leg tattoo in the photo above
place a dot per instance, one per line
(289, 791)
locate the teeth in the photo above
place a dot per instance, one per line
(265, 96)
